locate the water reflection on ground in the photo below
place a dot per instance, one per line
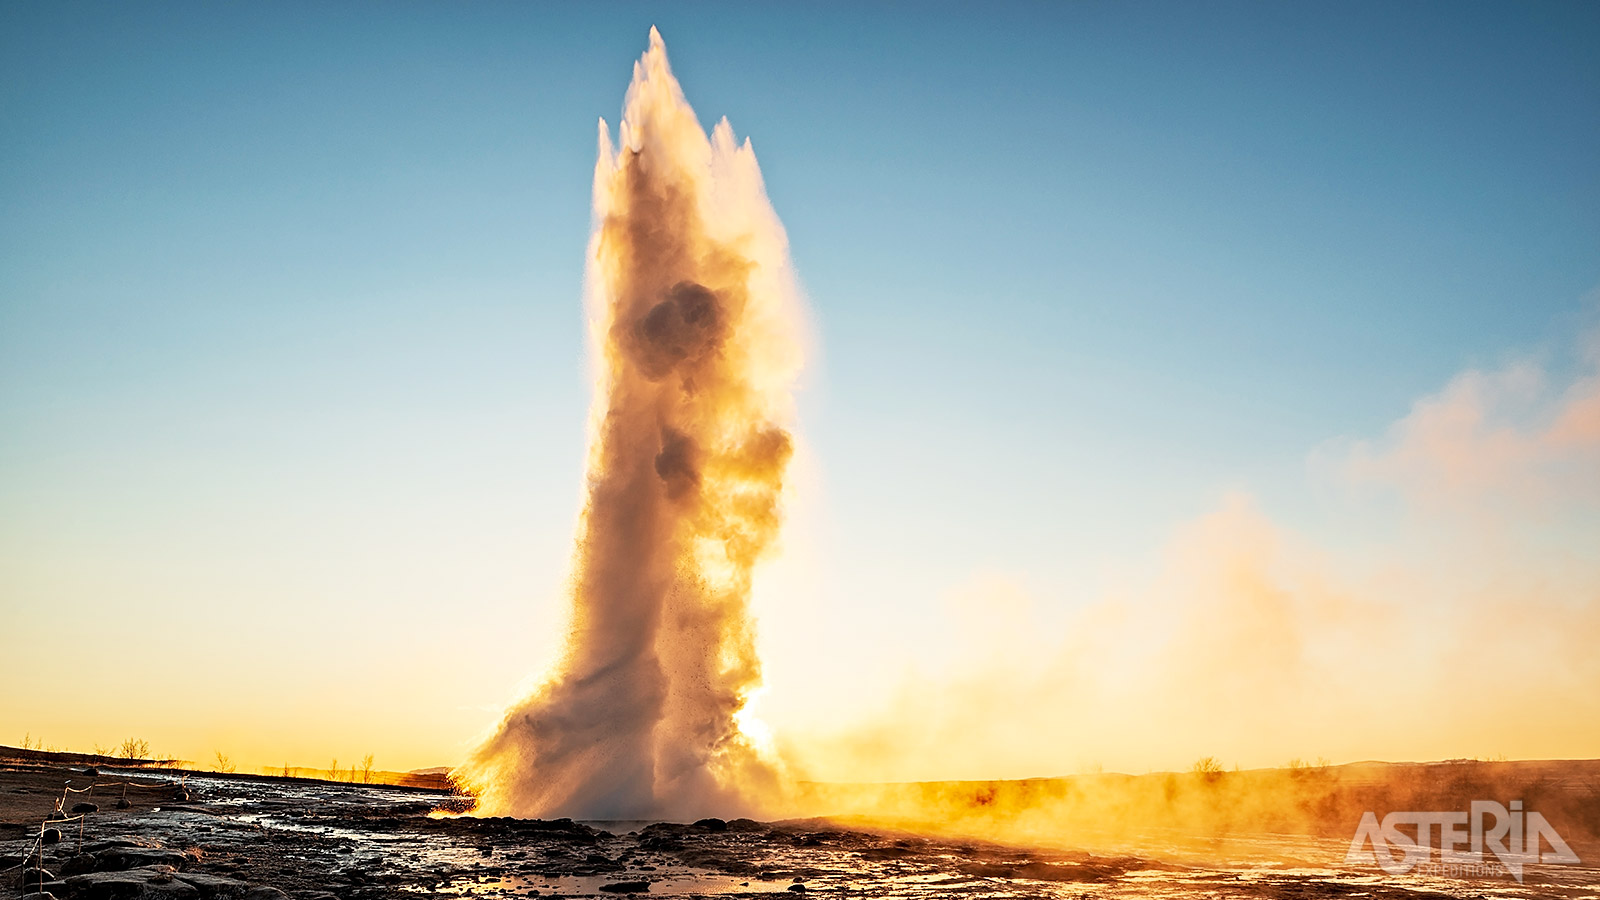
(352, 842)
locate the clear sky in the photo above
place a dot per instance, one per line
(292, 378)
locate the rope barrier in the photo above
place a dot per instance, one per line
(160, 786)
(165, 785)
(60, 817)
(36, 850)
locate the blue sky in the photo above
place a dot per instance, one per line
(290, 293)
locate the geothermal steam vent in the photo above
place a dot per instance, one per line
(692, 309)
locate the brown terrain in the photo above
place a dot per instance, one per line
(198, 836)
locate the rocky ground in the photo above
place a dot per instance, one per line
(221, 838)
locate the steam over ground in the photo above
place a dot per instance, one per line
(1441, 606)
(691, 306)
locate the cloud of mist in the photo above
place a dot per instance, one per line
(692, 314)
(1490, 438)
(1462, 624)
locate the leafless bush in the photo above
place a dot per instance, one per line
(1207, 768)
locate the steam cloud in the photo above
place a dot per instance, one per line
(692, 311)
(1456, 617)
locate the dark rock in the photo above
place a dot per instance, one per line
(798, 888)
(215, 886)
(85, 808)
(32, 875)
(886, 853)
(119, 858)
(123, 803)
(118, 843)
(1043, 871)
(145, 883)
(716, 825)
(555, 829)
(77, 865)
(50, 836)
(626, 887)
(39, 895)
(746, 825)
(660, 836)
(180, 795)
(92, 772)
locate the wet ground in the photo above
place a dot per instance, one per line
(230, 838)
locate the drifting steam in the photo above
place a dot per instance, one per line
(692, 311)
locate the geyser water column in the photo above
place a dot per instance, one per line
(692, 309)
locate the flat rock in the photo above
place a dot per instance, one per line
(1043, 871)
(144, 883)
(216, 886)
(116, 843)
(117, 858)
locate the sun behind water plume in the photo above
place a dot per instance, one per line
(693, 312)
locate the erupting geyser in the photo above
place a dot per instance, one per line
(692, 312)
